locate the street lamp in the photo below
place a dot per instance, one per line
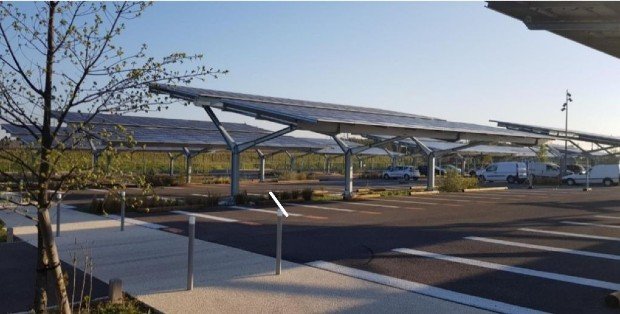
(565, 109)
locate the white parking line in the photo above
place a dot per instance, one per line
(423, 289)
(216, 218)
(517, 270)
(375, 205)
(138, 222)
(546, 248)
(576, 223)
(323, 207)
(569, 234)
(417, 202)
(607, 217)
(264, 211)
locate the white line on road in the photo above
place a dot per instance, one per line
(607, 217)
(568, 234)
(517, 270)
(205, 216)
(546, 248)
(423, 289)
(416, 202)
(323, 207)
(576, 223)
(263, 210)
(374, 205)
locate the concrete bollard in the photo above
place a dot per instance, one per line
(9, 235)
(116, 291)
(613, 299)
(190, 252)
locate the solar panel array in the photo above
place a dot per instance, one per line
(314, 113)
(558, 133)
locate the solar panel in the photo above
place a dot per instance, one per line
(332, 118)
(138, 121)
(558, 133)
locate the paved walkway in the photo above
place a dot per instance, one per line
(152, 264)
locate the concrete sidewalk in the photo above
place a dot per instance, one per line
(152, 264)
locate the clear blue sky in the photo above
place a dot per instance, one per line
(453, 60)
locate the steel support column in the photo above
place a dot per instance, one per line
(430, 177)
(171, 164)
(234, 172)
(188, 168)
(261, 165)
(348, 174)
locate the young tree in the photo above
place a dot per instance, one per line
(57, 57)
(542, 152)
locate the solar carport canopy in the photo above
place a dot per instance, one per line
(595, 24)
(332, 119)
(171, 134)
(561, 134)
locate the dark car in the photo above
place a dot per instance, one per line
(424, 170)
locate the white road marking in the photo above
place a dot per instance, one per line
(323, 207)
(546, 248)
(607, 217)
(589, 224)
(375, 205)
(275, 212)
(517, 270)
(138, 222)
(417, 202)
(568, 234)
(423, 289)
(216, 218)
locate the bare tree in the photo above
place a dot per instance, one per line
(60, 57)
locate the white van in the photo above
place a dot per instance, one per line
(510, 171)
(544, 169)
(605, 174)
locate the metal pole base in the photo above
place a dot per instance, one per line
(587, 189)
(613, 299)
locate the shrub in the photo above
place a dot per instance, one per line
(162, 180)
(306, 194)
(242, 198)
(2, 231)
(454, 182)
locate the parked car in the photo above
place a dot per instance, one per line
(424, 170)
(453, 167)
(544, 169)
(605, 174)
(405, 172)
(509, 171)
(577, 169)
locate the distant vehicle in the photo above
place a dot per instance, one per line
(577, 169)
(453, 167)
(424, 170)
(509, 171)
(605, 174)
(405, 172)
(544, 169)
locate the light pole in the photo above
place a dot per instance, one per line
(565, 109)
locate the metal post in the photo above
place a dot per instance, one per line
(58, 200)
(115, 292)
(9, 235)
(188, 168)
(234, 174)
(530, 178)
(261, 170)
(122, 210)
(190, 252)
(587, 174)
(348, 175)
(430, 176)
(171, 165)
(279, 244)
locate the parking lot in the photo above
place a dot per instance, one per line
(553, 250)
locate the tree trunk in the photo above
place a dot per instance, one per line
(40, 297)
(45, 229)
